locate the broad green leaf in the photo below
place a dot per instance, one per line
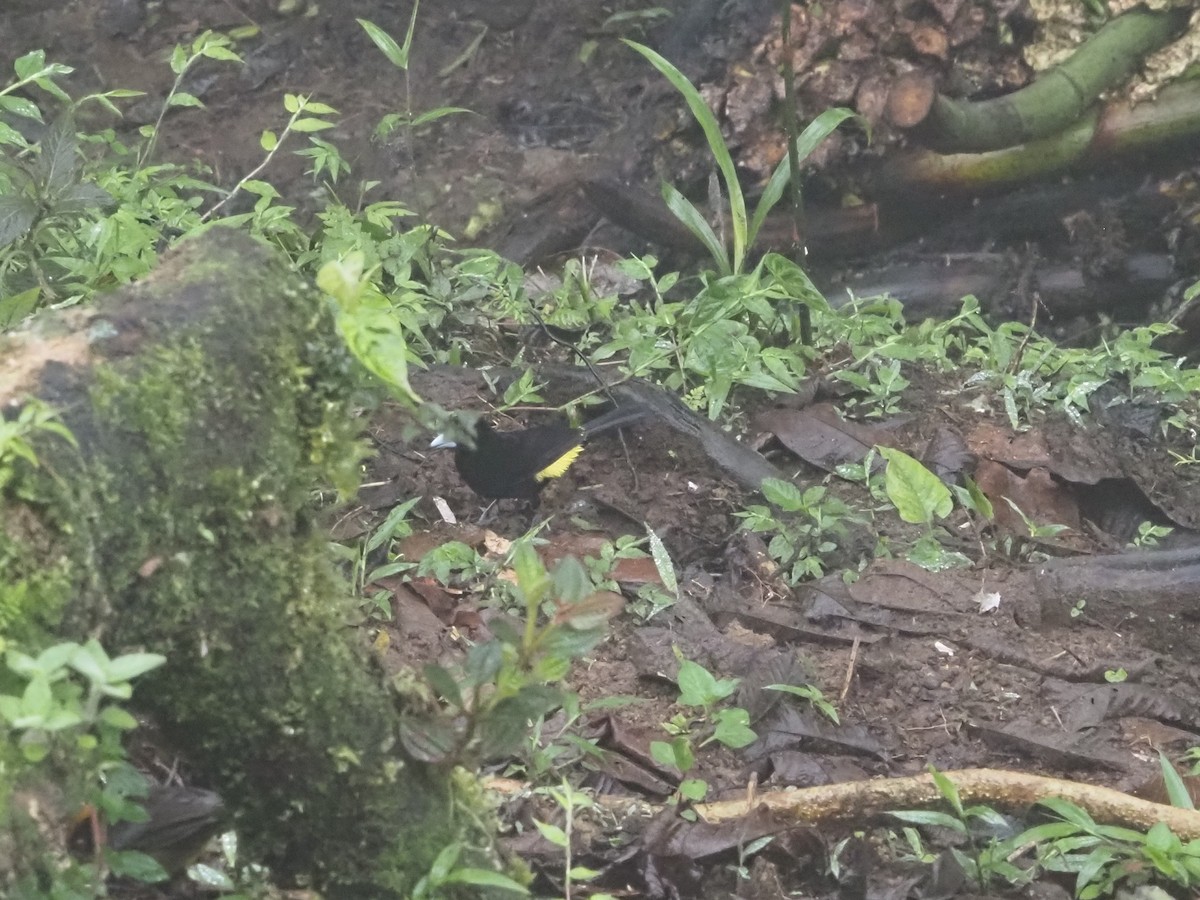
(919, 495)
(17, 215)
(552, 833)
(131, 665)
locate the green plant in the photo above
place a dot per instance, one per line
(364, 317)
(397, 55)
(208, 45)
(986, 858)
(45, 193)
(700, 690)
(738, 330)
(744, 228)
(651, 598)
(62, 723)
(812, 521)
(571, 802)
(485, 706)
(1103, 857)
(1192, 755)
(631, 21)
(1016, 544)
(813, 695)
(230, 877)
(921, 498)
(446, 872)
(304, 117)
(395, 526)
(882, 387)
(17, 433)
(1149, 534)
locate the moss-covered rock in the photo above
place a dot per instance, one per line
(209, 402)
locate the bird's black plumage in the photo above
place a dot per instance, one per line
(517, 464)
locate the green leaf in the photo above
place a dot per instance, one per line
(918, 494)
(662, 562)
(1068, 811)
(783, 494)
(483, 662)
(698, 686)
(532, 579)
(317, 108)
(310, 124)
(733, 728)
(183, 98)
(949, 790)
(118, 718)
(929, 817)
(1177, 791)
(686, 213)
(660, 751)
(77, 198)
(136, 865)
(395, 54)
(17, 215)
(485, 878)
(818, 129)
(716, 145)
(221, 52)
(552, 833)
(208, 877)
(430, 738)
(571, 581)
(394, 525)
(131, 665)
(91, 662)
(433, 115)
(30, 64)
(57, 161)
(37, 699)
(20, 106)
(693, 789)
(179, 59)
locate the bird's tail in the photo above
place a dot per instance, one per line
(625, 414)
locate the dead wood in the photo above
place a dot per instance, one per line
(857, 800)
(1048, 105)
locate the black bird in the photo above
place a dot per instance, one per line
(179, 821)
(517, 464)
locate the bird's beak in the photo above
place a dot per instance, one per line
(441, 442)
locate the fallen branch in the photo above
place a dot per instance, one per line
(859, 800)
(1048, 105)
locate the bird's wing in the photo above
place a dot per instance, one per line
(560, 465)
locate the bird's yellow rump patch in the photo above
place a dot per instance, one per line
(560, 465)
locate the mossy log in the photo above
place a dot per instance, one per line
(1044, 108)
(208, 402)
